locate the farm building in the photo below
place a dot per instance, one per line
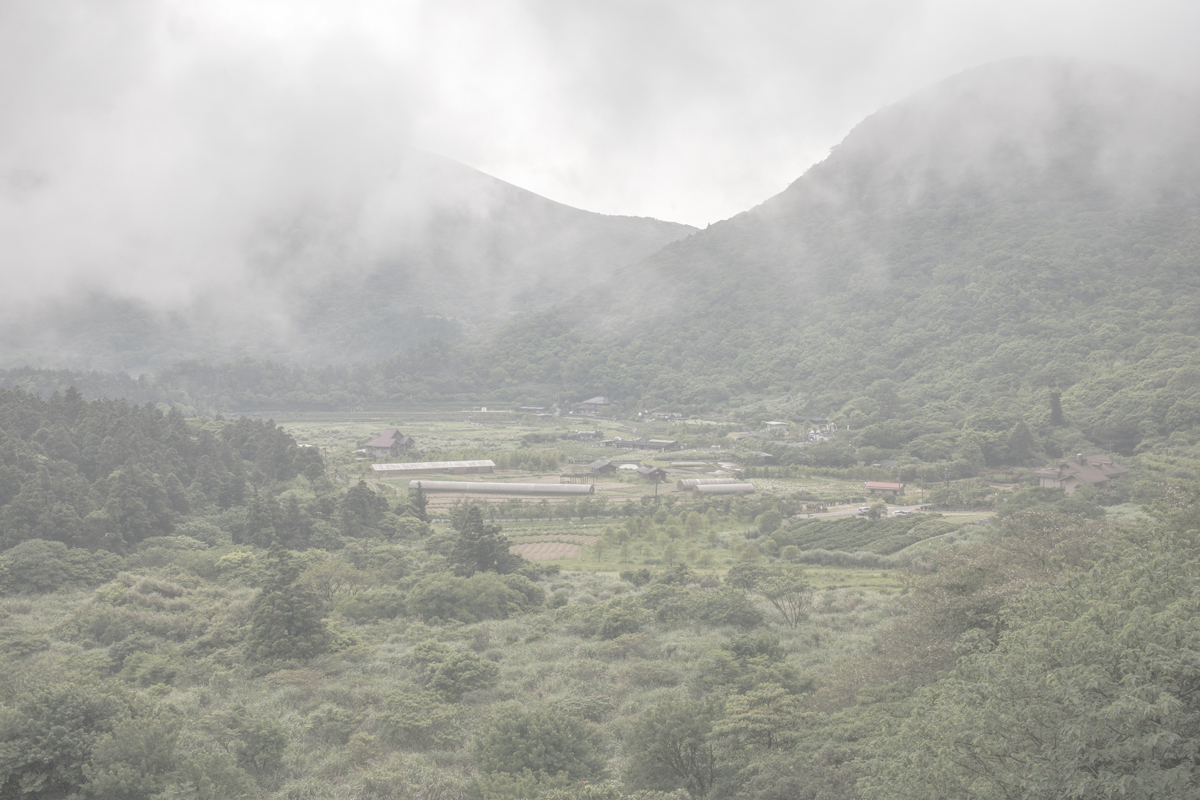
(725, 488)
(661, 445)
(594, 406)
(467, 487)
(494, 416)
(738, 436)
(391, 443)
(1096, 470)
(688, 484)
(884, 487)
(777, 428)
(601, 466)
(653, 473)
(448, 467)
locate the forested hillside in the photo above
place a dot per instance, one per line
(1023, 228)
(193, 608)
(106, 476)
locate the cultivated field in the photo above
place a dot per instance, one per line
(551, 528)
(547, 551)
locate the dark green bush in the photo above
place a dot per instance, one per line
(543, 740)
(484, 595)
(37, 565)
(385, 603)
(451, 673)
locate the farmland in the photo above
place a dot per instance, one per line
(593, 533)
(547, 551)
(336, 635)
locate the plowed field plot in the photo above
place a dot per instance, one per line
(574, 538)
(546, 551)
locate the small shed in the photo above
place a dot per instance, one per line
(593, 406)
(601, 466)
(661, 445)
(884, 488)
(656, 474)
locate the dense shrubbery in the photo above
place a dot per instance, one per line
(36, 565)
(484, 595)
(683, 682)
(882, 536)
(544, 741)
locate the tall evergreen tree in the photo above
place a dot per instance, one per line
(1056, 413)
(286, 621)
(418, 502)
(480, 547)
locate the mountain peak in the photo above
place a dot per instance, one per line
(1030, 126)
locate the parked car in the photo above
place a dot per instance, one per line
(864, 509)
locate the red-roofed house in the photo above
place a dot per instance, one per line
(1096, 470)
(389, 443)
(884, 487)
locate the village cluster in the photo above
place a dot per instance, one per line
(700, 475)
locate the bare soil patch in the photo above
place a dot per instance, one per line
(546, 551)
(574, 538)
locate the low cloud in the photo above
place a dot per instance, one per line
(159, 150)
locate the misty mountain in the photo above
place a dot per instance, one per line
(1024, 231)
(435, 250)
(1022, 227)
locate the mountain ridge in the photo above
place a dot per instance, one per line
(436, 250)
(940, 321)
(878, 265)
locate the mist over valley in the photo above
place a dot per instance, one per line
(332, 467)
(431, 250)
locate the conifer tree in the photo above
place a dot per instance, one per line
(286, 621)
(480, 547)
(418, 502)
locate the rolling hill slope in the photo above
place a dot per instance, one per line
(1024, 227)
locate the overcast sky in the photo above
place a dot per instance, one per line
(189, 116)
